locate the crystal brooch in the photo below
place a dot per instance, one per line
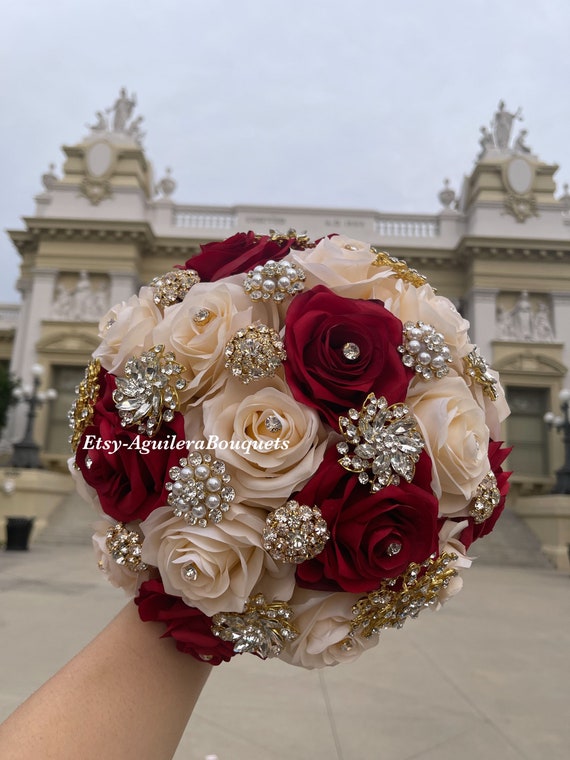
(424, 350)
(171, 288)
(148, 393)
(199, 489)
(254, 353)
(387, 443)
(264, 628)
(295, 533)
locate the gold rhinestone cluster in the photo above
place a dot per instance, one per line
(254, 353)
(148, 393)
(295, 533)
(399, 267)
(302, 240)
(487, 497)
(124, 546)
(477, 368)
(80, 415)
(264, 628)
(401, 598)
(172, 287)
(387, 443)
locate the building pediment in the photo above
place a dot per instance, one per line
(530, 363)
(67, 340)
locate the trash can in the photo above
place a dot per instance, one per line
(18, 531)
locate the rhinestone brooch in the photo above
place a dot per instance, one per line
(477, 368)
(387, 443)
(86, 393)
(171, 288)
(199, 489)
(262, 629)
(400, 598)
(254, 353)
(487, 497)
(295, 533)
(424, 350)
(124, 546)
(148, 393)
(275, 280)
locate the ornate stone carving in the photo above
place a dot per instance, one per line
(83, 303)
(525, 324)
(521, 206)
(49, 179)
(520, 145)
(167, 185)
(95, 190)
(446, 196)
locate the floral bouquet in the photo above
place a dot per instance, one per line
(291, 445)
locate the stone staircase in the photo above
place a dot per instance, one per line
(512, 543)
(70, 523)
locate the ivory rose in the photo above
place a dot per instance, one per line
(240, 415)
(126, 331)
(456, 437)
(199, 346)
(323, 622)
(117, 575)
(228, 558)
(411, 304)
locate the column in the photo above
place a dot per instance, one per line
(482, 314)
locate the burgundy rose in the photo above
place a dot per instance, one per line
(238, 253)
(341, 349)
(473, 531)
(129, 482)
(373, 535)
(190, 628)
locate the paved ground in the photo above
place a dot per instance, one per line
(487, 677)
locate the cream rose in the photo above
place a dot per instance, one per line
(344, 265)
(495, 411)
(117, 575)
(126, 330)
(411, 304)
(273, 443)
(215, 568)
(323, 622)
(450, 544)
(456, 438)
(198, 329)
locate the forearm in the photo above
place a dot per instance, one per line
(127, 694)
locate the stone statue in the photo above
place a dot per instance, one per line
(543, 331)
(522, 324)
(80, 304)
(485, 141)
(134, 130)
(519, 145)
(122, 110)
(101, 124)
(503, 124)
(522, 317)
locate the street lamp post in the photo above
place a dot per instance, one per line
(562, 422)
(27, 452)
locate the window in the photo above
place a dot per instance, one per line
(526, 430)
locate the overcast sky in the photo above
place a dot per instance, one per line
(342, 103)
